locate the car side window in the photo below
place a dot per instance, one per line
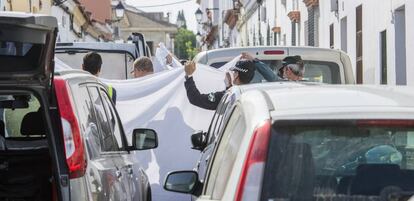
(113, 118)
(225, 155)
(216, 121)
(87, 121)
(108, 140)
(223, 116)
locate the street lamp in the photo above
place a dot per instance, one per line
(199, 15)
(119, 11)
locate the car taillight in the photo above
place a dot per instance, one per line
(386, 123)
(273, 52)
(74, 149)
(249, 186)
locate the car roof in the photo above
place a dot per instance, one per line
(26, 19)
(97, 46)
(210, 56)
(300, 100)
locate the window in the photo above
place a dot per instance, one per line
(225, 155)
(315, 71)
(359, 66)
(316, 160)
(63, 21)
(383, 56)
(331, 36)
(400, 46)
(108, 140)
(151, 46)
(212, 133)
(115, 65)
(87, 121)
(13, 117)
(344, 35)
(310, 27)
(113, 118)
(293, 23)
(313, 26)
(306, 32)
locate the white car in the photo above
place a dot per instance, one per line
(296, 141)
(321, 65)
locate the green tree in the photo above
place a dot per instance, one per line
(185, 44)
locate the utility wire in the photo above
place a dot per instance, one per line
(167, 4)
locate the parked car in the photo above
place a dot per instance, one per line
(292, 141)
(321, 65)
(60, 135)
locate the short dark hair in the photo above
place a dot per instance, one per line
(144, 64)
(245, 70)
(92, 63)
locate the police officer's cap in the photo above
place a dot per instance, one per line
(245, 69)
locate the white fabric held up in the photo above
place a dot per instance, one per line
(159, 102)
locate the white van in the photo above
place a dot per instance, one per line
(321, 64)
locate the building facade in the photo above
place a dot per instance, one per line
(78, 20)
(154, 26)
(31, 6)
(374, 33)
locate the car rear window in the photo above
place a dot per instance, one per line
(315, 71)
(339, 161)
(19, 56)
(115, 65)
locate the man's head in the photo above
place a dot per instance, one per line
(92, 62)
(142, 67)
(292, 68)
(243, 72)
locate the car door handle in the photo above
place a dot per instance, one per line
(118, 174)
(208, 158)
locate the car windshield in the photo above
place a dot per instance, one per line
(315, 71)
(339, 161)
(115, 65)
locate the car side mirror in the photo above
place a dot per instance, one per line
(182, 182)
(199, 140)
(143, 139)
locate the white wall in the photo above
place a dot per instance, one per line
(65, 34)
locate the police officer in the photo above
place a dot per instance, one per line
(242, 73)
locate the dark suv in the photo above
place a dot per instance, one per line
(60, 135)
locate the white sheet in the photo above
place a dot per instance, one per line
(160, 102)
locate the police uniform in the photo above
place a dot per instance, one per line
(210, 101)
(207, 101)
